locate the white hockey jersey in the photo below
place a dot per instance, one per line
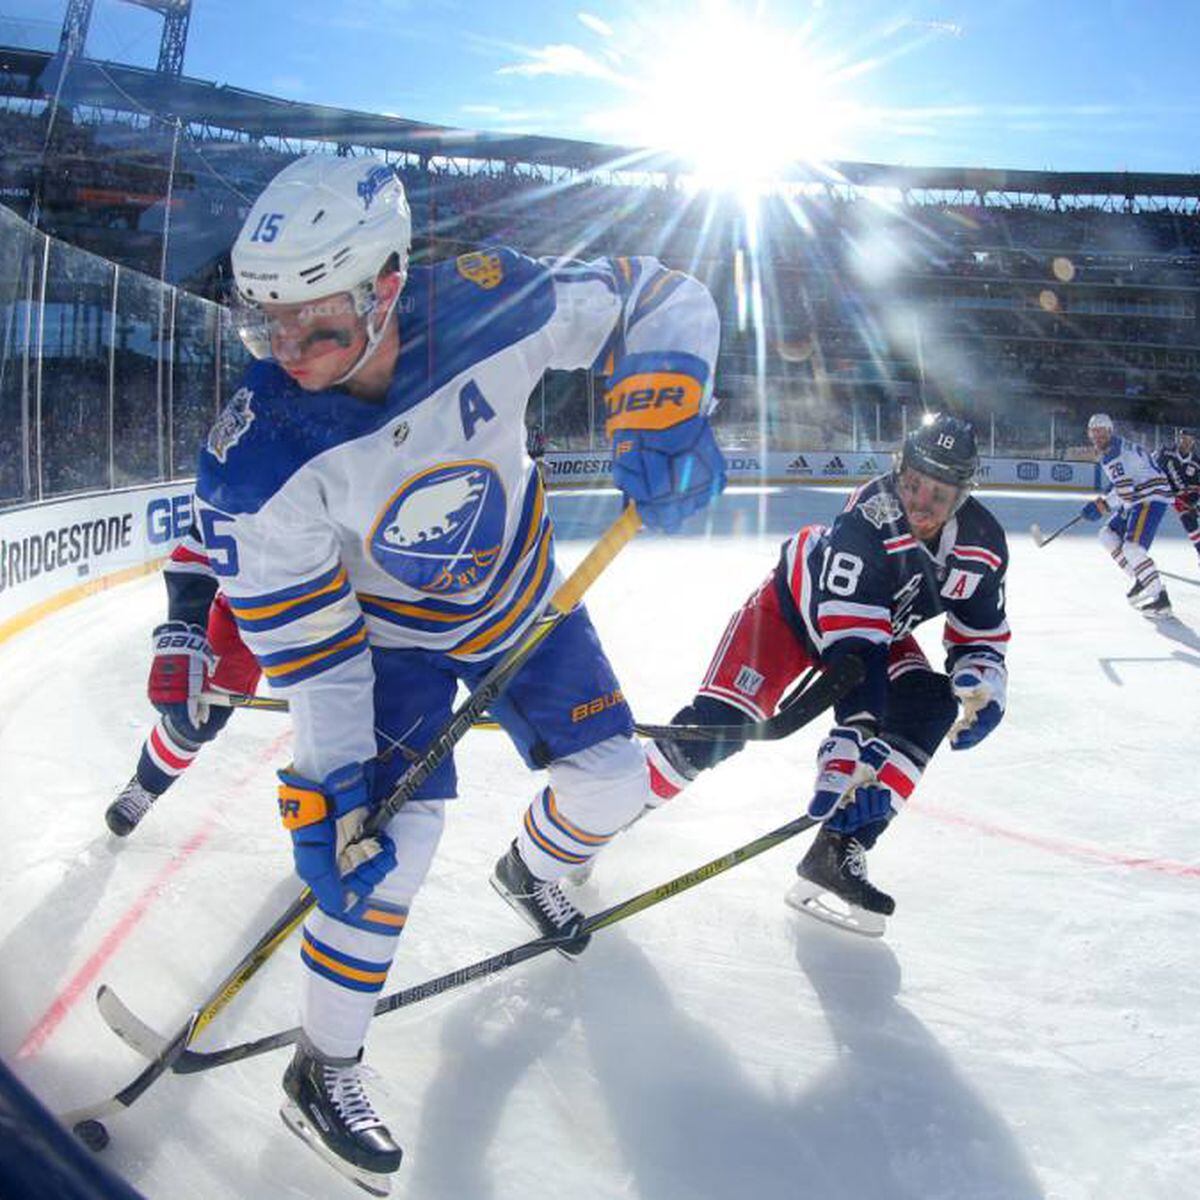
(1132, 474)
(419, 521)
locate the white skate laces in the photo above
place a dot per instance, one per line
(550, 899)
(344, 1086)
(856, 859)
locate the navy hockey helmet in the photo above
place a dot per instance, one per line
(942, 447)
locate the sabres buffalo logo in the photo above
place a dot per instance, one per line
(442, 531)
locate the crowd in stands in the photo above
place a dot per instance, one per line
(839, 312)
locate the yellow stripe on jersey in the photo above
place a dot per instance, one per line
(262, 612)
(341, 968)
(278, 670)
(652, 400)
(520, 604)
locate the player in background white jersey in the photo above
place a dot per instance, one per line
(368, 505)
(199, 635)
(1181, 466)
(1134, 502)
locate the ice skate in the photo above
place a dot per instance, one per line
(328, 1109)
(833, 886)
(1158, 608)
(541, 902)
(1137, 594)
(124, 813)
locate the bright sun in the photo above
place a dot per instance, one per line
(738, 98)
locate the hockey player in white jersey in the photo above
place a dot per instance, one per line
(368, 505)
(1134, 502)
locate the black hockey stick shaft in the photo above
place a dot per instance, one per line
(809, 705)
(1046, 539)
(769, 730)
(191, 1062)
(561, 604)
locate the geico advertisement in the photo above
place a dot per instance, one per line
(51, 547)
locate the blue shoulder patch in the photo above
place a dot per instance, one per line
(458, 313)
(269, 429)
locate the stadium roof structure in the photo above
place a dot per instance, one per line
(32, 74)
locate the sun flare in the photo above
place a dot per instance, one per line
(738, 98)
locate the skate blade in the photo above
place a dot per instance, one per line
(515, 905)
(810, 900)
(369, 1181)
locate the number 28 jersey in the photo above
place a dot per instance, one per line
(866, 581)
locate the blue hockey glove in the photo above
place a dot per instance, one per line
(669, 473)
(665, 458)
(981, 689)
(847, 763)
(1093, 510)
(323, 819)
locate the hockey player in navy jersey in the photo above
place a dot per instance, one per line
(909, 546)
(1181, 467)
(196, 649)
(368, 505)
(1132, 507)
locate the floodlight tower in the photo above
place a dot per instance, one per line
(175, 14)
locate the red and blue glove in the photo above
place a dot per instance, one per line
(848, 763)
(324, 820)
(665, 457)
(179, 673)
(1093, 510)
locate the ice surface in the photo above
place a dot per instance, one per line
(1029, 1026)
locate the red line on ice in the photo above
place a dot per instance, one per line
(81, 981)
(1163, 866)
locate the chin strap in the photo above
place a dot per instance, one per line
(374, 334)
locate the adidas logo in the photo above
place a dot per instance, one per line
(799, 465)
(868, 467)
(835, 466)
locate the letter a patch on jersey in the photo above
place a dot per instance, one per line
(960, 584)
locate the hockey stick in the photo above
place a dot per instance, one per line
(561, 604)
(1041, 539)
(1179, 578)
(769, 730)
(809, 705)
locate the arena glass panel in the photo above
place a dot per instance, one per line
(193, 381)
(138, 453)
(77, 315)
(20, 258)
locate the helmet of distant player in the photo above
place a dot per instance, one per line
(1185, 439)
(320, 235)
(1100, 430)
(935, 469)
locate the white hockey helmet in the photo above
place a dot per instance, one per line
(1100, 421)
(323, 226)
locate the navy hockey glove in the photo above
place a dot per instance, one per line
(981, 688)
(1093, 510)
(847, 762)
(180, 671)
(323, 819)
(870, 803)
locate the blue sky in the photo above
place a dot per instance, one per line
(1038, 84)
